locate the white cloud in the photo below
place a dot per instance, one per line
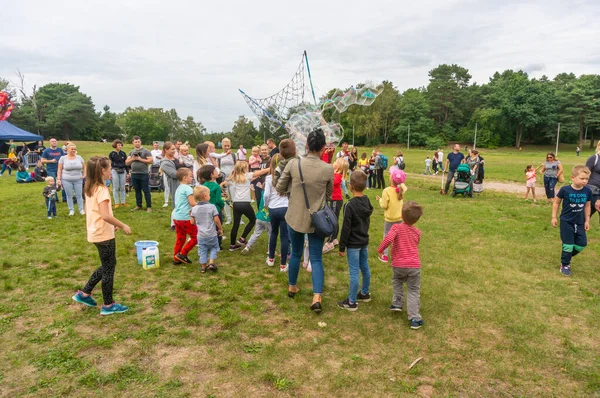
(194, 57)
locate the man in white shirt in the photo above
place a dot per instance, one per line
(156, 153)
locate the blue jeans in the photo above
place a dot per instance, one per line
(70, 186)
(51, 207)
(208, 249)
(279, 225)
(358, 260)
(315, 245)
(118, 187)
(549, 184)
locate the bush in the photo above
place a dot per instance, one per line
(435, 142)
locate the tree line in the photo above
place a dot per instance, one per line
(511, 109)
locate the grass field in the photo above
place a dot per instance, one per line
(500, 319)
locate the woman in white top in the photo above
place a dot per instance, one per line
(71, 172)
(227, 162)
(277, 206)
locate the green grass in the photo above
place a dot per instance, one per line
(500, 320)
(503, 164)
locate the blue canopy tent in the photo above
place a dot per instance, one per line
(10, 132)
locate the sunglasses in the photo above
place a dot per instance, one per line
(549, 157)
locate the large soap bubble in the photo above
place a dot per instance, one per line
(306, 119)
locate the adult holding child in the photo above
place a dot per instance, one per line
(317, 180)
(139, 158)
(70, 175)
(593, 163)
(553, 173)
(119, 173)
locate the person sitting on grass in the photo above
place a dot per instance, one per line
(405, 262)
(354, 237)
(205, 217)
(101, 227)
(39, 172)
(184, 201)
(575, 216)
(23, 176)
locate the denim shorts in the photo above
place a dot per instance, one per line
(208, 248)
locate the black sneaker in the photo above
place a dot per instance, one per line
(565, 270)
(235, 247)
(242, 241)
(363, 297)
(416, 324)
(347, 306)
(395, 308)
(183, 259)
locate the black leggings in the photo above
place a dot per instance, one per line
(239, 209)
(380, 180)
(336, 206)
(106, 272)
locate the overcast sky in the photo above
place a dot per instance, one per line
(193, 56)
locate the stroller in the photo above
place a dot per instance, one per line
(156, 178)
(463, 181)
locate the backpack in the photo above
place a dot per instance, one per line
(383, 161)
(401, 164)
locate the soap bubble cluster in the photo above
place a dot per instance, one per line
(306, 118)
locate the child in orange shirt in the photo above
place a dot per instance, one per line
(101, 227)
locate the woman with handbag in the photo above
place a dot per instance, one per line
(310, 184)
(119, 173)
(553, 173)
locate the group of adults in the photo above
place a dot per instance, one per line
(455, 158)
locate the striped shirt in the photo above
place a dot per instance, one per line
(405, 248)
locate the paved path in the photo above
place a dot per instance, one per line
(487, 184)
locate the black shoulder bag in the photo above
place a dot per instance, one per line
(324, 221)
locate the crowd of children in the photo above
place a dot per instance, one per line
(199, 212)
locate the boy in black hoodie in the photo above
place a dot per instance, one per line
(355, 237)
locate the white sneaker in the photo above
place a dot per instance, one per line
(166, 205)
(82, 212)
(49, 218)
(242, 223)
(228, 221)
(283, 268)
(270, 262)
(72, 212)
(246, 250)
